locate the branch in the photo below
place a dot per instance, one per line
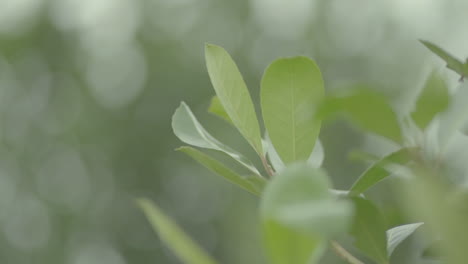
(267, 166)
(344, 254)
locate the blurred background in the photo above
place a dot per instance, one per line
(88, 87)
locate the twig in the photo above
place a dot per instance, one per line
(344, 254)
(267, 166)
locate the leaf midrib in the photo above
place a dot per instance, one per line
(293, 116)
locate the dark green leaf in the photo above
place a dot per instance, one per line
(187, 128)
(253, 184)
(433, 99)
(233, 94)
(377, 171)
(368, 230)
(182, 245)
(291, 89)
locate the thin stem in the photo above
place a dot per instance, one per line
(344, 254)
(267, 166)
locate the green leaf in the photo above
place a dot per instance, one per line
(285, 245)
(253, 184)
(291, 89)
(433, 99)
(183, 247)
(315, 159)
(368, 110)
(452, 62)
(217, 109)
(398, 234)
(377, 171)
(299, 215)
(233, 94)
(368, 230)
(187, 128)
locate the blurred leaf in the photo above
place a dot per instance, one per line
(377, 171)
(291, 89)
(315, 159)
(432, 250)
(433, 99)
(398, 234)
(452, 62)
(456, 116)
(369, 230)
(299, 215)
(368, 110)
(182, 245)
(217, 109)
(327, 218)
(427, 197)
(187, 128)
(253, 184)
(233, 94)
(285, 245)
(359, 155)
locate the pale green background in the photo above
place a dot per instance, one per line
(87, 89)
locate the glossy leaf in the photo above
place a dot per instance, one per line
(398, 234)
(377, 171)
(433, 99)
(291, 89)
(366, 109)
(368, 230)
(187, 128)
(232, 92)
(182, 245)
(253, 184)
(217, 109)
(299, 215)
(452, 62)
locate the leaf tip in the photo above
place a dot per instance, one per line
(142, 203)
(210, 47)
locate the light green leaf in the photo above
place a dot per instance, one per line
(315, 159)
(452, 62)
(398, 234)
(285, 245)
(368, 230)
(253, 184)
(217, 109)
(291, 90)
(377, 171)
(433, 99)
(187, 128)
(232, 92)
(368, 110)
(299, 215)
(182, 245)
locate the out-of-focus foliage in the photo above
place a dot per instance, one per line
(88, 87)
